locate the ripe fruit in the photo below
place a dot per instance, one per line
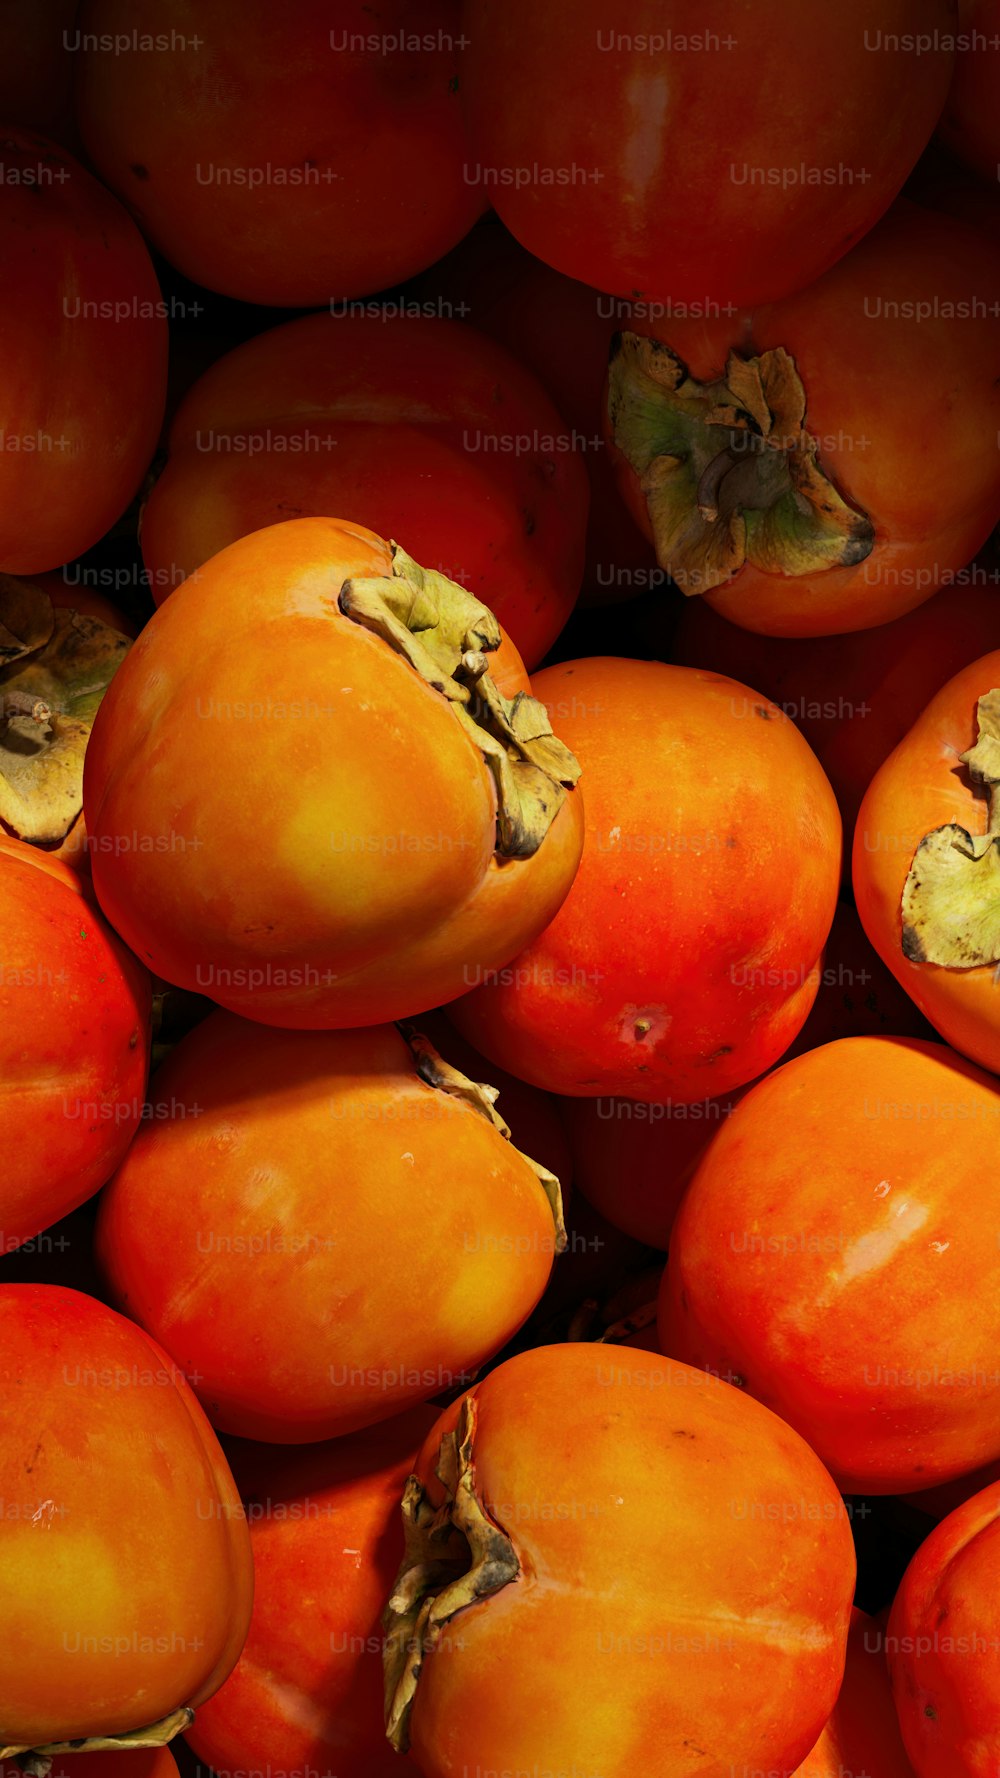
(780, 459)
(630, 1567)
(418, 428)
(652, 161)
(306, 1694)
(74, 1048)
(311, 153)
(682, 962)
(943, 1645)
(277, 713)
(323, 1227)
(856, 1292)
(127, 1575)
(925, 860)
(78, 293)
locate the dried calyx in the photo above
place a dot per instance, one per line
(951, 897)
(438, 1073)
(36, 1762)
(455, 1555)
(729, 472)
(55, 666)
(447, 636)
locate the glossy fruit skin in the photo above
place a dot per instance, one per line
(631, 1640)
(888, 361)
(942, 1643)
(855, 696)
(320, 933)
(874, 1337)
(138, 1599)
(628, 947)
(355, 185)
(639, 191)
(75, 1049)
(76, 441)
(327, 1541)
(400, 1242)
(970, 122)
(916, 790)
(862, 1734)
(421, 429)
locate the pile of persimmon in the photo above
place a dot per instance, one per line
(500, 889)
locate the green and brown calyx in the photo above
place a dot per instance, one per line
(447, 636)
(729, 472)
(55, 666)
(482, 1099)
(951, 897)
(455, 1556)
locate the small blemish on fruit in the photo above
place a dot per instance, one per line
(762, 711)
(139, 170)
(930, 1711)
(642, 1029)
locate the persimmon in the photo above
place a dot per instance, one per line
(682, 962)
(277, 712)
(127, 1572)
(615, 1564)
(943, 1644)
(323, 1227)
(74, 1049)
(925, 861)
(417, 427)
(306, 1693)
(78, 293)
(852, 1293)
(779, 457)
(642, 151)
(316, 152)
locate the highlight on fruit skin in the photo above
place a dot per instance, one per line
(855, 1296)
(585, 1584)
(324, 1227)
(127, 1569)
(306, 794)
